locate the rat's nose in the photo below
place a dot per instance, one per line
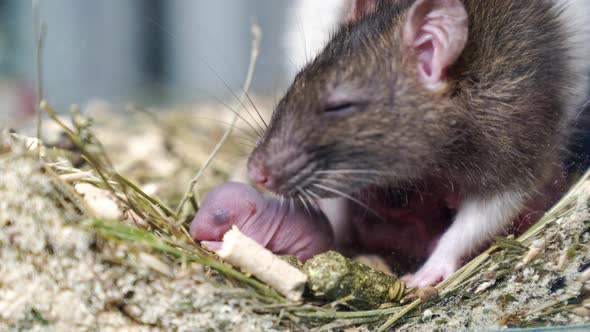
(258, 172)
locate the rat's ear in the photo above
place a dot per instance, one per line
(360, 8)
(436, 30)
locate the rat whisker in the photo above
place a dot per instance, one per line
(302, 34)
(231, 91)
(581, 109)
(311, 200)
(203, 60)
(242, 130)
(258, 131)
(291, 204)
(410, 187)
(305, 198)
(312, 193)
(314, 178)
(256, 109)
(314, 197)
(284, 205)
(335, 182)
(349, 171)
(247, 139)
(352, 199)
(304, 204)
(285, 202)
(301, 177)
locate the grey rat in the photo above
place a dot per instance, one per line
(473, 98)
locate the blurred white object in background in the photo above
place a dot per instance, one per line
(17, 104)
(310, 24)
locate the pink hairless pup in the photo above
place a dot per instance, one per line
(280, 225)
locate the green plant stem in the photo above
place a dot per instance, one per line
(139, 236)
(346, 314)
(399, 315)
(340, 324)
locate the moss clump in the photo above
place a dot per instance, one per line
(333, 276)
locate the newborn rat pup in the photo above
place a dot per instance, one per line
(279, 225)
(288, 227)
(469, 101)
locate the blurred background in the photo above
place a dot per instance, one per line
(157, 51)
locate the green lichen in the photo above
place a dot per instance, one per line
(333, 276)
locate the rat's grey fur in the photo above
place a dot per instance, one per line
(500, 123)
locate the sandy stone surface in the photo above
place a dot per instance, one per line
(56, 275)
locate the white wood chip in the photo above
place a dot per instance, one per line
(253, 258)
(102, 202)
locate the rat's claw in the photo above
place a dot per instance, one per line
(433, 272)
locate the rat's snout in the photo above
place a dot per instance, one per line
(259, 172)
(279, 172)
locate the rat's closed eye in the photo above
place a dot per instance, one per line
(344, 100)
(342, 106)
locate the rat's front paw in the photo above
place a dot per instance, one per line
(433, 271)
